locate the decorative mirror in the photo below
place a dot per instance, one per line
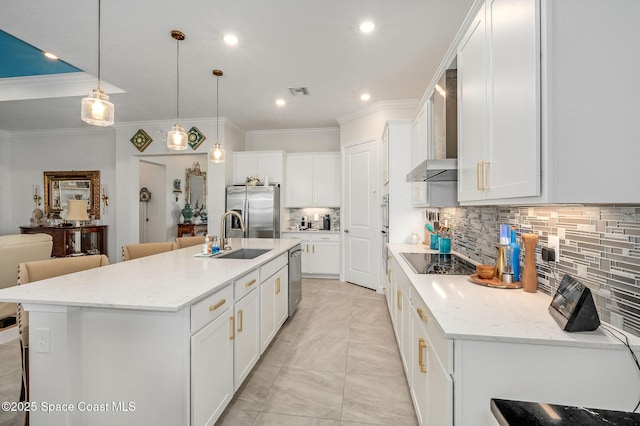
(60, 187)
(196, 186)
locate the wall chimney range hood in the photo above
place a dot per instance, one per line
(443, 170)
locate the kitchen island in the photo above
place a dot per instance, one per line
(463, 344)
(164, 339)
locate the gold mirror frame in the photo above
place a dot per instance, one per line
(196, 172)
(53, 181)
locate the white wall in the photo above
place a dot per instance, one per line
(294, 140)
(6, 186)
(32, 153)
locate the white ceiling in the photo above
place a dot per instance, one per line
(283, 43)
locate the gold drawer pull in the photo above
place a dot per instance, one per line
(217, 305)
(240, 321)
(233, 328)
(250, 283)
(399, 300)
(277, 285)
(326, 238)
(421, 345)
(421, 314)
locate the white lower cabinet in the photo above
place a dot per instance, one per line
(320, 252)
(418, 369)
(247, 336)
(211, 366)
(230, 333)
(274, 297)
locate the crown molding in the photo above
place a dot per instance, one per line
(378, 106)
(294, 131)
(93, 130)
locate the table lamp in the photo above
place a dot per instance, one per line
(77, 212)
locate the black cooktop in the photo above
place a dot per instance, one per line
(438, 263)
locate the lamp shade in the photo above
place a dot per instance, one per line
(77, 210)
(216, 154)
(177, 138)
(96, 109)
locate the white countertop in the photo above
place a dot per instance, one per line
(167, 281)
(465, 310)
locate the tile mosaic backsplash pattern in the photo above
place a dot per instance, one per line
(599, 245)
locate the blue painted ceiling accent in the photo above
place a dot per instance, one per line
(20, 59)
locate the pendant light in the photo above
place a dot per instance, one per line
(96, 108)
(216, 154)
(177, 137)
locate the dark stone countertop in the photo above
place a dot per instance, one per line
(509, 412)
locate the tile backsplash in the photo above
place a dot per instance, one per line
(599, 245)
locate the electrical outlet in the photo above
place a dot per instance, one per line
(42, 340)
(553, 242)
(617, 320)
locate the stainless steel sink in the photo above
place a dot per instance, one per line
(242, 253)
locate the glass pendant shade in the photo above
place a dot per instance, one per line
(96, 109)
(177, 138)
(217, 154)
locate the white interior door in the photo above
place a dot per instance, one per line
(361, 223)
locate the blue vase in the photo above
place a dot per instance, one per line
(187, 212)
(515, 256)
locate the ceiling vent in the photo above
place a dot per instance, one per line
(295, 91)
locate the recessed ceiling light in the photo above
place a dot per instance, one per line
(367, 26)
(365, 97)
(230, 39)
(280, 102)
(50, 55)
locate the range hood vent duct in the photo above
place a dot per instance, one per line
(444, 170)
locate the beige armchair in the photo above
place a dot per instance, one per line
(18, 248)
(182, 242)
(134, 251)
(40, 270)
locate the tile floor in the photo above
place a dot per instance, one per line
(335, 363)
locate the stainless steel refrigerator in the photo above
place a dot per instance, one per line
(259, 207)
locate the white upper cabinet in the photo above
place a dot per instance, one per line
(420, 134)
(260, 164)
(499, 103)
(313, 180)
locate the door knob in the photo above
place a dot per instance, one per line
(346, 231)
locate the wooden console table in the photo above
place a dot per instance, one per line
(93, 238)
(192, 229)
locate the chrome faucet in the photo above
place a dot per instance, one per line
(224, 244)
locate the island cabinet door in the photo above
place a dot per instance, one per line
(212, 369)
(274, 297)
(247, 336)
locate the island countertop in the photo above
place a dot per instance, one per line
(167, 281)
(465, 310)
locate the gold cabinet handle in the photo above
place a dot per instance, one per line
(421, 314)
(325, 238)
(307, 248)
(422, 345)
(313, 248)
(240, 321)
(217, 305)
(399, 295)
(250, 283)
(233, 328)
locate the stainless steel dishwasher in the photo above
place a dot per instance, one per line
(295, 278)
